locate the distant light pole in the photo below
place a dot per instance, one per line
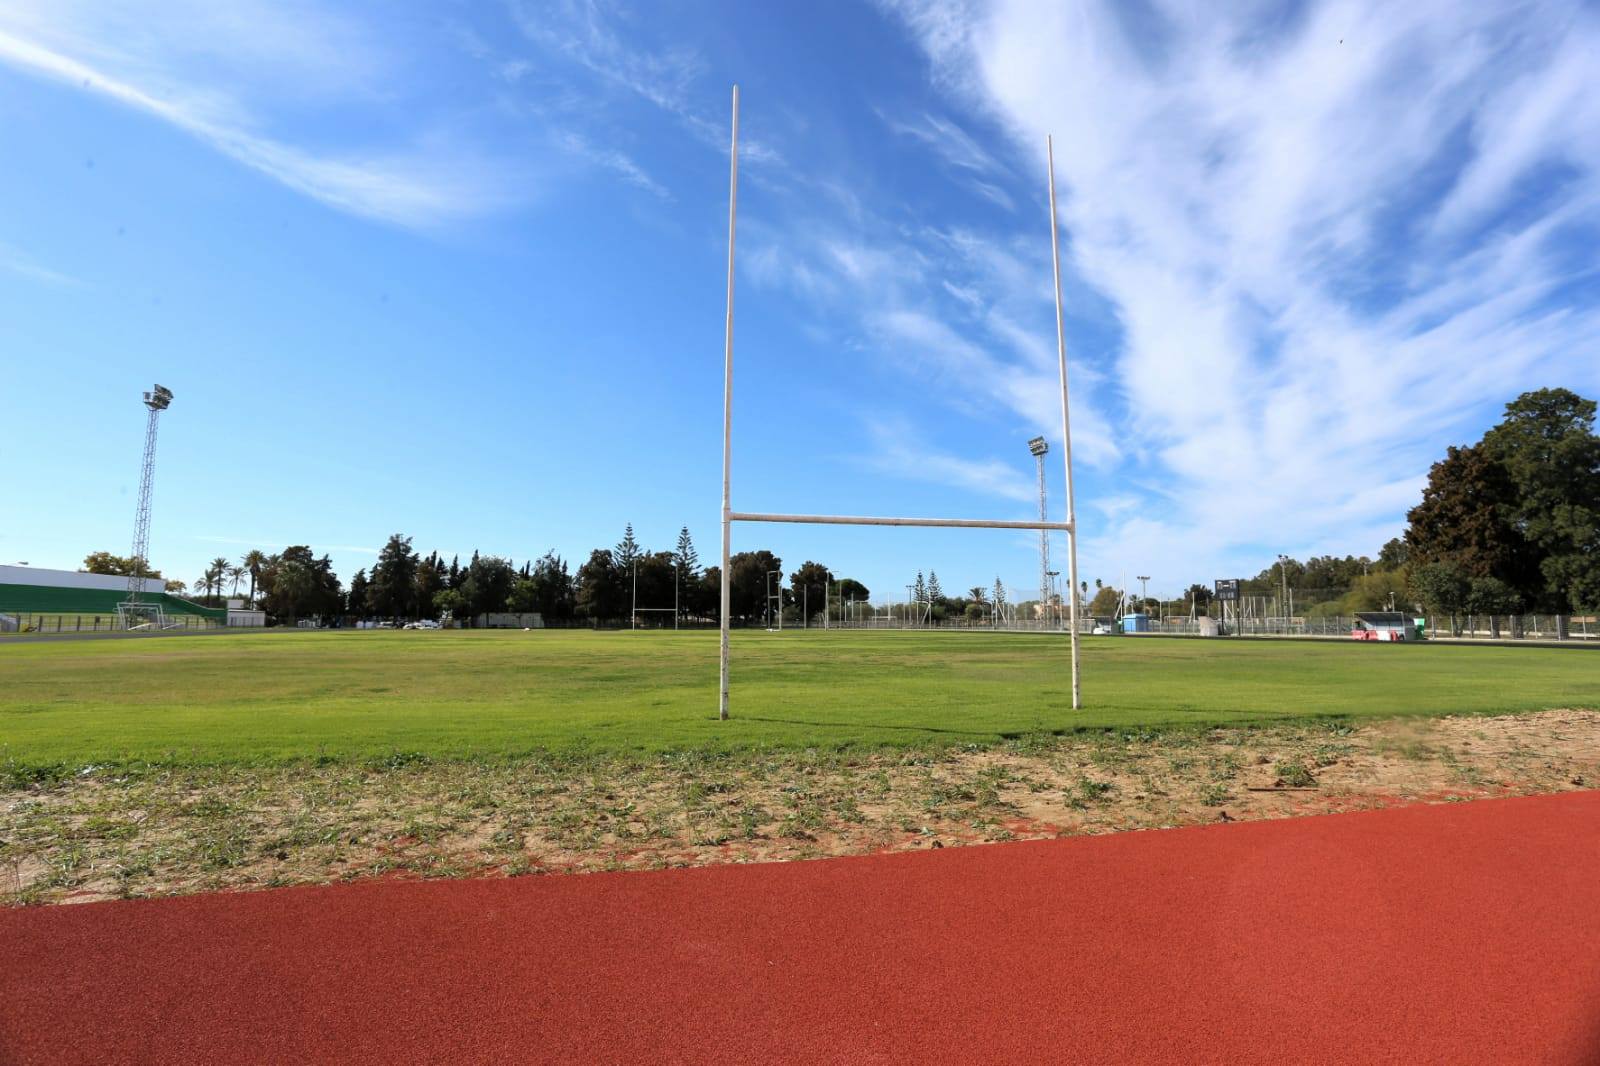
(780, 598)
(1144, 592)
(155, 401)
(633, 620)
(675, 584)
(1283, 601)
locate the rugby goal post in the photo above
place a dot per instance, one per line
(729, 515)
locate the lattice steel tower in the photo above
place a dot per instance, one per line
(1039, 448)
(157, 401)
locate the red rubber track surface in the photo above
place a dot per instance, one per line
(1461, 933)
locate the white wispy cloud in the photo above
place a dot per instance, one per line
(15, 261)
(608, 41)
(900, 451)
(616, 161)
(970, 320)
(1334, 236)
(958, 150)
(152, 66)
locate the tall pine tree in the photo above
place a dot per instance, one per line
(688, 559)
(627, 551)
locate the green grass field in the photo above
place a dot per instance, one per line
(269, 697)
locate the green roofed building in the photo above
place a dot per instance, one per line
(32, 597)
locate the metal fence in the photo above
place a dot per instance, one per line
(1534, 627)
(28, 622)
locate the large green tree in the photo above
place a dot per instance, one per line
(602, 593)
(392, 586)
(1547, 445)
(811, 584)
(748, 589)
(1522, 506)
(296, 584)
(1106, 602)
(552, 587)
(356, 600)
(1443, 588)
(114, 565)
(1467, 518)
(487, 585)
(428, 583)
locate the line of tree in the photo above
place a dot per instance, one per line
(1506, 525)
(403, 585)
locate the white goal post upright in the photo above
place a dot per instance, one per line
(729, 515)
(725, 579)
(1066, 419)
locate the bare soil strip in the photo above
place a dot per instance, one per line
(120, 833)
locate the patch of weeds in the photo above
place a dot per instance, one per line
(223, 850)
(15, 776)
(1224, 767)
(399, 760)
(1328, 754)
(208, 807)
(1295, 774)
(1036, 743)
(1088, 791)
(806, 813)
(1214, 794)
(750, 820)
(99, 827)
(508, 838)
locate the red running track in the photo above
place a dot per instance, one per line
(1462, 933)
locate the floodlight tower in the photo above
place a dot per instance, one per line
(157, 401)
(1038, 447)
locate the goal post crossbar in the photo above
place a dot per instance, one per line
(729, 515)
(861, 520)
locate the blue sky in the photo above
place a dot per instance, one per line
(458, 272)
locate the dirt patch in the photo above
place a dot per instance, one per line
(104, 834)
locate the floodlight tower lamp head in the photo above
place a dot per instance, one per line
(158, 399)
(1038, 446)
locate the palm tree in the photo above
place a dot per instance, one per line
(253, 561)
(219, 571)
(235, 574)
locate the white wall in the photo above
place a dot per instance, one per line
(68, 579)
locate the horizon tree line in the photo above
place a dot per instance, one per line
(1508, 524)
